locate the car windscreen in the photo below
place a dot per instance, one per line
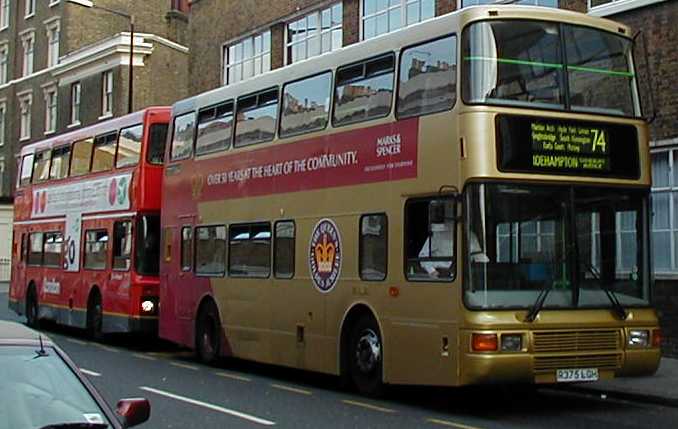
(38, 390)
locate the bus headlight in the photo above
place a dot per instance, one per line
(639, 338)
(147, 306)
(511, 342)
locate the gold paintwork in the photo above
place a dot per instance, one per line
(261, 316)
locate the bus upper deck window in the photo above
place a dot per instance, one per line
(129, 146)
(61, 158)
(156, 144)
(26, 169)
(256, 118)
(182, 140)
(41, 166)
(104, 152)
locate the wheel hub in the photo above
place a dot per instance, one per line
(368, 351)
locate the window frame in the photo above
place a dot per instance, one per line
(4, 63)
(406, 235)
(85, 252)
(230, 253)
(53, 31)
(51, 109)
(198, 273)
(60, 150)
(28, 53)
(104, 140)
(116, 160)
(30, 249)
(3, 121)
(29, 8)
(274, 247)
(234, 119)
(456, 76)
(25, 116)
(360, 246)
(318, 12)
(76, 90)
(364, 76)
(5, 11)
(226, 65)
(189, 154)
(257, 106)
(670, 189)
(130, 257)
(192, 245)
(281, 107)
(107, 93)
(403, 16)
(55, 233)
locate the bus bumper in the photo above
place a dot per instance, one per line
(146, 325)
(478, 368)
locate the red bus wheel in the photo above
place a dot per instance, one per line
(208, 334)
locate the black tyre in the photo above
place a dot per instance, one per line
(365, 357)
(95, 317)
(208, 334)
(32, 318)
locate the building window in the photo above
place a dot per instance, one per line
(314, 34)
(30, 8)
(25, 104)
(3, 111)
(76, 90)
(107, 93)
(4, 61)
(53, 35)
(665, 210)
(246, 58)
(4, 14)
(28, 43)
(2, 175)
(383, 16)
(53, 2)
(50, 110)
(546, 3)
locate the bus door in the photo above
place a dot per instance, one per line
(119, 282)
(181, 276)
(19, 265)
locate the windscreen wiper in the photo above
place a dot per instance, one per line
(618, 307)
(539, 303)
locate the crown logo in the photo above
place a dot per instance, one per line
(324, 255)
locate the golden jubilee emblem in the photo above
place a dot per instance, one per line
(325, 255)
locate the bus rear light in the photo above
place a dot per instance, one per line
(656, 338)
(484, 342)
(149, 306)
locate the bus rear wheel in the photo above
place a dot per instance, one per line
(208, 334)
(95, 317)
(365, 357)
(32, 318)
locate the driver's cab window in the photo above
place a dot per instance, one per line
(430, 231)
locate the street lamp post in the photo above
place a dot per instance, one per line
(130, 86)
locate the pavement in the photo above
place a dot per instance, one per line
(660, 388)
(4, 287)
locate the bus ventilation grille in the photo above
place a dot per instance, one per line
(609, 361)
(576, 341)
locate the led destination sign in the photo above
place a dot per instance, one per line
(535, 145)
(574, 147)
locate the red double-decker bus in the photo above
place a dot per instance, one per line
(86, 226)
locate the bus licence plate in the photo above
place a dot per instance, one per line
(573, 375)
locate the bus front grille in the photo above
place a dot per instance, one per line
(608, 361)
(576, 341)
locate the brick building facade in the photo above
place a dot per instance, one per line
(225, 37)
(64, 66)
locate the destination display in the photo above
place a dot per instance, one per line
(529, 144)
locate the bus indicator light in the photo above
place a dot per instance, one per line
(393, 291)
(656, 338)
(484, 342)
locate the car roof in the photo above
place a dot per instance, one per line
(16, 333)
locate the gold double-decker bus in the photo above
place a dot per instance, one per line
(463, 201)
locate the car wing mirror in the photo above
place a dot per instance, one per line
(133, 411)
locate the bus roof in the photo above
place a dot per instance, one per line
(446, 24)
(99, 128)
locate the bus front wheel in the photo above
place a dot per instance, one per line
(365, 357)
(208, 334)
(32, 318)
